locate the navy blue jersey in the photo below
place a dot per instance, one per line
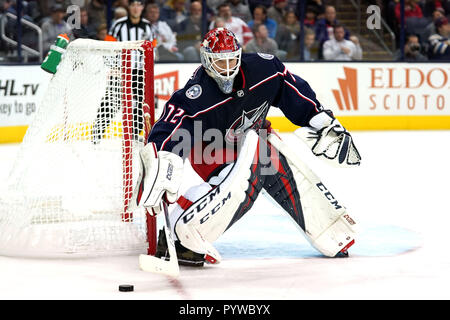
(262, 82)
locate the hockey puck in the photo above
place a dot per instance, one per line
(126, 288)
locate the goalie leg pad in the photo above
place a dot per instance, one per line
(282, 187)
(209, 214)
(324, 221)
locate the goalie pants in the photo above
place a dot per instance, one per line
(277, 180)
(270, 172)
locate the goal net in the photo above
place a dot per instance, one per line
(69, 188)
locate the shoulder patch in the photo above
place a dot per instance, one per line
(265, 56)
(194, 92)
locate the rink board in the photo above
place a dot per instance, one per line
(364, 96)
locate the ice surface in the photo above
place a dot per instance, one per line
(399, 198)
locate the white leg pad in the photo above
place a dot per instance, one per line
(328, 226)
(212, 211)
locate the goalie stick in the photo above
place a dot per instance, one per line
(151, 263)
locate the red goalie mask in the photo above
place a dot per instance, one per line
(220, 54)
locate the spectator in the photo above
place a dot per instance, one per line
(28, 36)
(214, 5)
(412, 9)
(430, 29)
(439, 43)
(86, 29)
(288, 35)
(411, 50)
(102, 32)
(311, 47)
(51, 3)
(166, 40)
(310, 18)
(119, 13)
(97, 12)
(252, 4)
(43, 8)
(236, 25)
(260, 17)
(12, 8)
(33, 10)
(261, 42)
(340, 48)
(278, 10)
(430, 6)
(218, 23)
(189, 33)
(317, 6)
(55, 26)
(173, 12)
(4, 5)
(240, 10)
(324, 28)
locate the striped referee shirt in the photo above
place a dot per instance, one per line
(124, 30)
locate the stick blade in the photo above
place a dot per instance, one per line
(156, 265)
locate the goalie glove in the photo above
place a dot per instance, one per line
(329, 140)
(160, 176)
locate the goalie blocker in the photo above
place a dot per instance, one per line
(206, 211)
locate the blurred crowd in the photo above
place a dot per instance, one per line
(266, 26)
(426, 26)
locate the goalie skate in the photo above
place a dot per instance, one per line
(185, 256)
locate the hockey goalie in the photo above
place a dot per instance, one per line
(218, 121)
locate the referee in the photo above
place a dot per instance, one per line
(130, 28)
(133, 27)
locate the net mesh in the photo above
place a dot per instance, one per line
(70, 185)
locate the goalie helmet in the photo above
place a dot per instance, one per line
(220, 54)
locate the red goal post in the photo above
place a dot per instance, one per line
(148, 108)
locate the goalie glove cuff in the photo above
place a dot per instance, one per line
(322, 119)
